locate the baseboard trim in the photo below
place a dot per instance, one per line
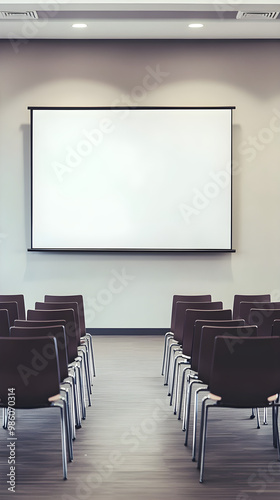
(127, 331)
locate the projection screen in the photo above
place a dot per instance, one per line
(131, 179)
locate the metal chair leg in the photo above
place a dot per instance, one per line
(170, 340)
(188, 408)
(182, 393)
(63, 432)
(173, 370)
(195, 420)
(203, 444)
(202, 414)
(252, 414)
(176, 379)
(166, 337)
(258, 418)
(90, 343)
(5, 418)
(166, 378)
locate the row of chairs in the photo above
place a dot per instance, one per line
(47, 360)
(200, 329)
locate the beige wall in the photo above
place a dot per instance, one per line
(123, 290)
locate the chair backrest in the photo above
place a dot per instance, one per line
(247, 298)
(32, 323)
(186, 298)
(199, 323)
(25, 367)
(202, 313)
(208, 334)
(245, 308)
(46, 306)
(4, 323)
(276, 328)
(19, 299)
(66, 315)
(264, 319)
(12, 308)
(58, 332)
(249, 374)
(71, 298)
(180, 310)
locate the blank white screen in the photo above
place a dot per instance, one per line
(131, 179)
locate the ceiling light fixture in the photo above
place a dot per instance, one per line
(79, 25)
(196, 25)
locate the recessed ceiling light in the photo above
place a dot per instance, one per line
(196, 25)
(79, 25)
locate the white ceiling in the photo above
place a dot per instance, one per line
(142, 19)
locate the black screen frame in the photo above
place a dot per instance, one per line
(130, 250)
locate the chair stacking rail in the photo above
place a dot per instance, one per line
(85, 336)
(34, 323)
(247, 376)
(169, 335)
(33, 392)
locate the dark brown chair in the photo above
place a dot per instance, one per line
(12, 308)
(19, 299)
(245, 312)
(66, 383)
(175, 342)
(31, 387)
(192, 378)
(201, 310)
(85, 336)
(74, 359)
(276, 328)
(245, 308)
(66, 315)
(82, 349)
(169, 335)
(247, 298)
(207, 341)
(47, 306)
(247, 376)
(57, 331)
(191, 314)
(34, 323)
(4, 323)
(67, 372)
(264, 319)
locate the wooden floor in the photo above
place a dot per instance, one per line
(131, 445)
